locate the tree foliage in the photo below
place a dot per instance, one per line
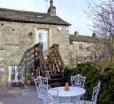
(103, 18)
(102, 15)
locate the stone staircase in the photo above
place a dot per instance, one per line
(51, 66)
(56, 80)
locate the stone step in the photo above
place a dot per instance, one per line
(56, 76)
(56, 80)
(56, 84)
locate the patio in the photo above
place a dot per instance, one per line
(19, 96)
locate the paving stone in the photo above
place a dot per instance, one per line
(19, 96)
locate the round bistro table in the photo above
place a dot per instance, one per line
(67, 96)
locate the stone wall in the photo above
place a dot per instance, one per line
(81, 52)
(15, 38)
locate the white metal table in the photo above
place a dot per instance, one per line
(67, 95)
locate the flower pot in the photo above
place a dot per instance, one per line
(66, 87)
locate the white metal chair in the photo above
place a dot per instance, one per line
(94, 95)
(53, 99)
(41, 84)
(78, 81)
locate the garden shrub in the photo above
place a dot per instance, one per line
(107, 88)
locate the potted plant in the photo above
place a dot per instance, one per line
(28, 80)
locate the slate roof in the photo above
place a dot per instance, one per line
(89, 39)
(30, 17)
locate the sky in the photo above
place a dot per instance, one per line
(71, 11)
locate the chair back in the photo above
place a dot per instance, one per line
(53, 99)
(41, 84)
(78, 81)
(95, 92)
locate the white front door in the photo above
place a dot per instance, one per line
(42, 37)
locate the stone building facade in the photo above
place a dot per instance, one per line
(20, 30)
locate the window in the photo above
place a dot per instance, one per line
(13, 74)
(40, 17)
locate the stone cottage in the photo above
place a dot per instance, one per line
(20, 30)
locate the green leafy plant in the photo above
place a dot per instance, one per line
(107, 88)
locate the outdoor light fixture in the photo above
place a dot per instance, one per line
(59, 28)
